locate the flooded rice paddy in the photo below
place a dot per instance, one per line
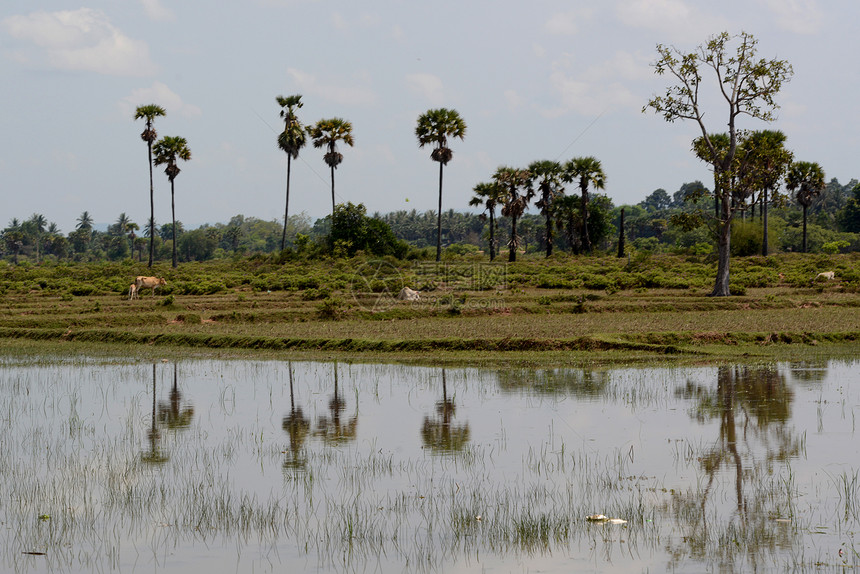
(267, 466)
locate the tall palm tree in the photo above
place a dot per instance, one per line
(519, 192)
(291, 140)
(36, 225)
(567, 220)
(489, 195)
(589, 172)
(766, 160)
(149, 113)
(326, 133)
(807, 179)
(434, 128)
(547, 174)
(167, 151)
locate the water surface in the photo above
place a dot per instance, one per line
(264, 466)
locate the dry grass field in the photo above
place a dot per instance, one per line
(598, 306)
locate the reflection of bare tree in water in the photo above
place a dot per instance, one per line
(334, 430)
(296, 425)
(155, 455)
(753, 406)
(173, 414)
(439, 433)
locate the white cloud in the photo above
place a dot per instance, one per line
(358, 93)
(513, 99)
(364, 21)
(600, 87)
(677, 18)
(428, 86)
(161, 95)
(798, 16)
(567, 23)
(77, 40)
(155, 11)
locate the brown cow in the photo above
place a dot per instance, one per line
(148, 283)
(132, 291)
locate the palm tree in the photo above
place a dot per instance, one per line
(434, 128)
(588, 171)
(767, 161)
(85, 222)
(132, 227)
(122, 223)
(567, 220)
(807, 178)
(167, 151)
(547, 174)
(291, 140)
(14, 237)
(490, 195)
(326, 133)
(149, 135)
(36, 226)
(518, 193)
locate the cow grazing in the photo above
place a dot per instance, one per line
(148, 283)
(407, 294)
(132, 292)
(826, 275)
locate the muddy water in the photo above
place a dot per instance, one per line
(241, 466)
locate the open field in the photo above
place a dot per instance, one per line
(646, 305)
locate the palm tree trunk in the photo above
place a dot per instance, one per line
(332, 195)
(151, 208)
(173, 215)
(287, 208)
(804, 229)
(548, 233)
(763, 213)
(586, 241)
(512, 252)
(492, 234)
(439, 218)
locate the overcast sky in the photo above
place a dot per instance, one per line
(547, 79)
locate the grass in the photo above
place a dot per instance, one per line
(648, 305)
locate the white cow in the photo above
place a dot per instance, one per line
(132, 291)
(148, 283)
(826, 275)
(407, 294)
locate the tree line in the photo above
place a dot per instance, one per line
(833, 225)
(744, 206)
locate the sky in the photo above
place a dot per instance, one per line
(548, 79)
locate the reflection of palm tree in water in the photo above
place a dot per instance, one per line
(155, 455)
(334, 430)
(172, 413)
(440, 434)
(296, 425)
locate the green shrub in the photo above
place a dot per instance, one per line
(332, 308)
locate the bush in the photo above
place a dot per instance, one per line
(332, 308)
